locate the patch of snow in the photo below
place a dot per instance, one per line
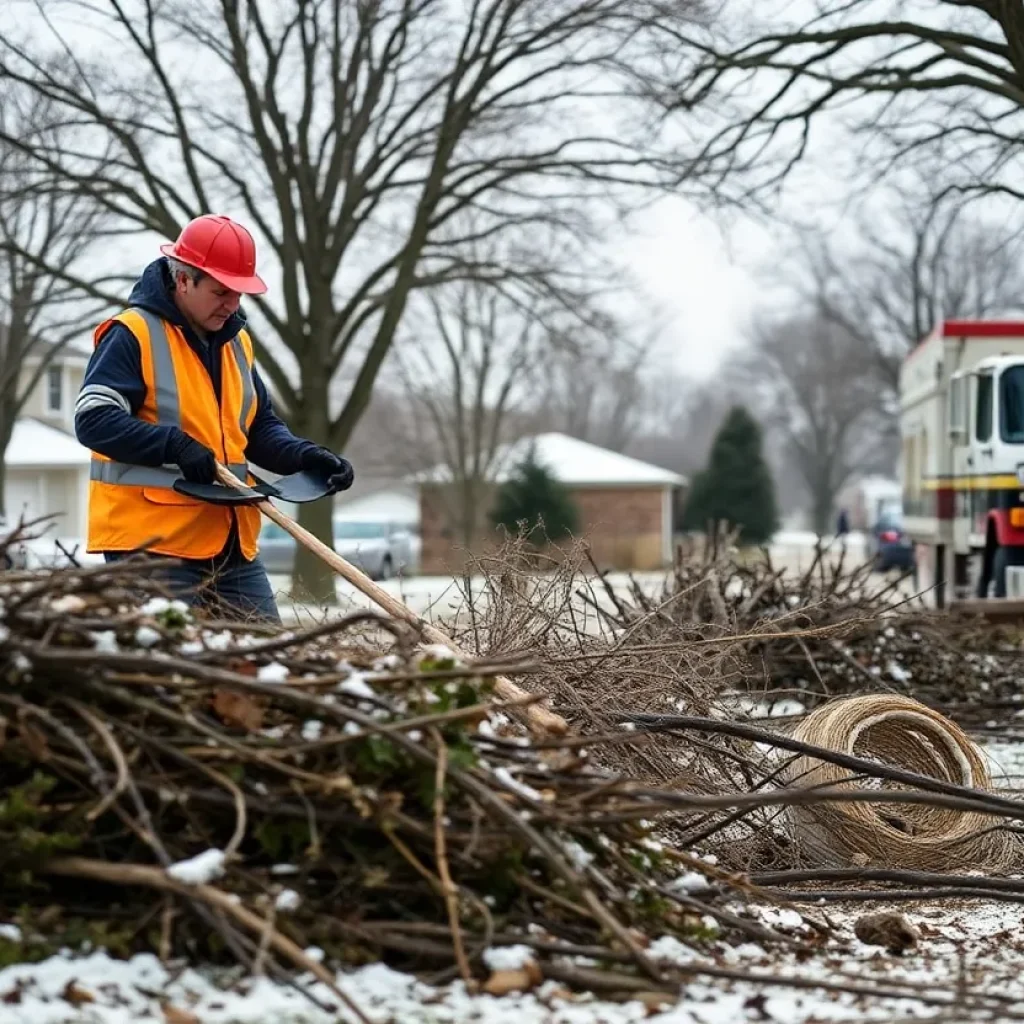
(579, 857)
(508, 958)
(898, 672)
(201, 869)
(669, 949)
(780, 917)
(504, 776)
(312, 730)
(689, 882)
(217, 641)
(356, 686)
(146, 636)
(439, 652)
(272, 673)
(105, 641)
(288, 899)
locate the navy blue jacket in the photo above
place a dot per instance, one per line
(116, 365)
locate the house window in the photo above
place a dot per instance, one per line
(55, 389)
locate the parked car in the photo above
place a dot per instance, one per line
(889, 546)
(380, 549)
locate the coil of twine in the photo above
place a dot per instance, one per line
(898, 732)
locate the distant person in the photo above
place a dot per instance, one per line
(171, 389)
(843, 527)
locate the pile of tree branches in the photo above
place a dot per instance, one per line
(277, 800)
(833, 628)
(232, 794)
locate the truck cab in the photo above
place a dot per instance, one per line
(987, 439)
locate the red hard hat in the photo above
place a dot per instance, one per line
(221, 248)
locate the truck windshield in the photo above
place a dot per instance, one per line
(1011, 405)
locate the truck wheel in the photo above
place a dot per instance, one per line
(1000, 561)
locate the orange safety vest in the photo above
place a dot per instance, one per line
(134, 507)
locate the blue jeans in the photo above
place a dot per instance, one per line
(227, 584)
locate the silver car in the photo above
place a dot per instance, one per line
(380, 549)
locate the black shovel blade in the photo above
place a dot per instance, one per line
(297, 488)
(218, 494)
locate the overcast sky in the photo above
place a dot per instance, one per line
(702, 282)
(708, 293)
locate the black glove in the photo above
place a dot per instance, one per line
(197, 463)
(338, 471)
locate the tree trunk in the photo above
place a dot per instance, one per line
(6, 433)
(822, 508)
(312, 579)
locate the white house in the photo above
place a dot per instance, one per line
(47, 470)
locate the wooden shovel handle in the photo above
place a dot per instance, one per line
(540, 717)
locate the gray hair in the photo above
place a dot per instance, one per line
(176, 267)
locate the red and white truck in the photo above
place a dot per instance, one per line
(962, 459)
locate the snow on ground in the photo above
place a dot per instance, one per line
(972, 947)
(976, 947)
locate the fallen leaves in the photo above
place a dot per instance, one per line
(893, 931)
(76, 995)
(175, 1015)
(237, 710)
(519, 979)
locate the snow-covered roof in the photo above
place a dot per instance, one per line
(34, 443)
(575, 463)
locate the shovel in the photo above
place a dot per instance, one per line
(303, 487)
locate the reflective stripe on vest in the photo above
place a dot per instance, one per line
(168, 407)
(248, 391)
(168, 411)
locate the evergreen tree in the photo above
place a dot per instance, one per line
(735, 488)
(533, 501)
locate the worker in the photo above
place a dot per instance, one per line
(172, 389)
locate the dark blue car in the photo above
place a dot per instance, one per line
(891, 548)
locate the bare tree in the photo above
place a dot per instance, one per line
(815, 392)
(40, 313)
(942, 82)
(600, 384)
(356, 138)
(470, 369)
(921, 260)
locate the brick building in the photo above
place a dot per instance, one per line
(625, 505)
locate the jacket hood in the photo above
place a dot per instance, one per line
(152, 291)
